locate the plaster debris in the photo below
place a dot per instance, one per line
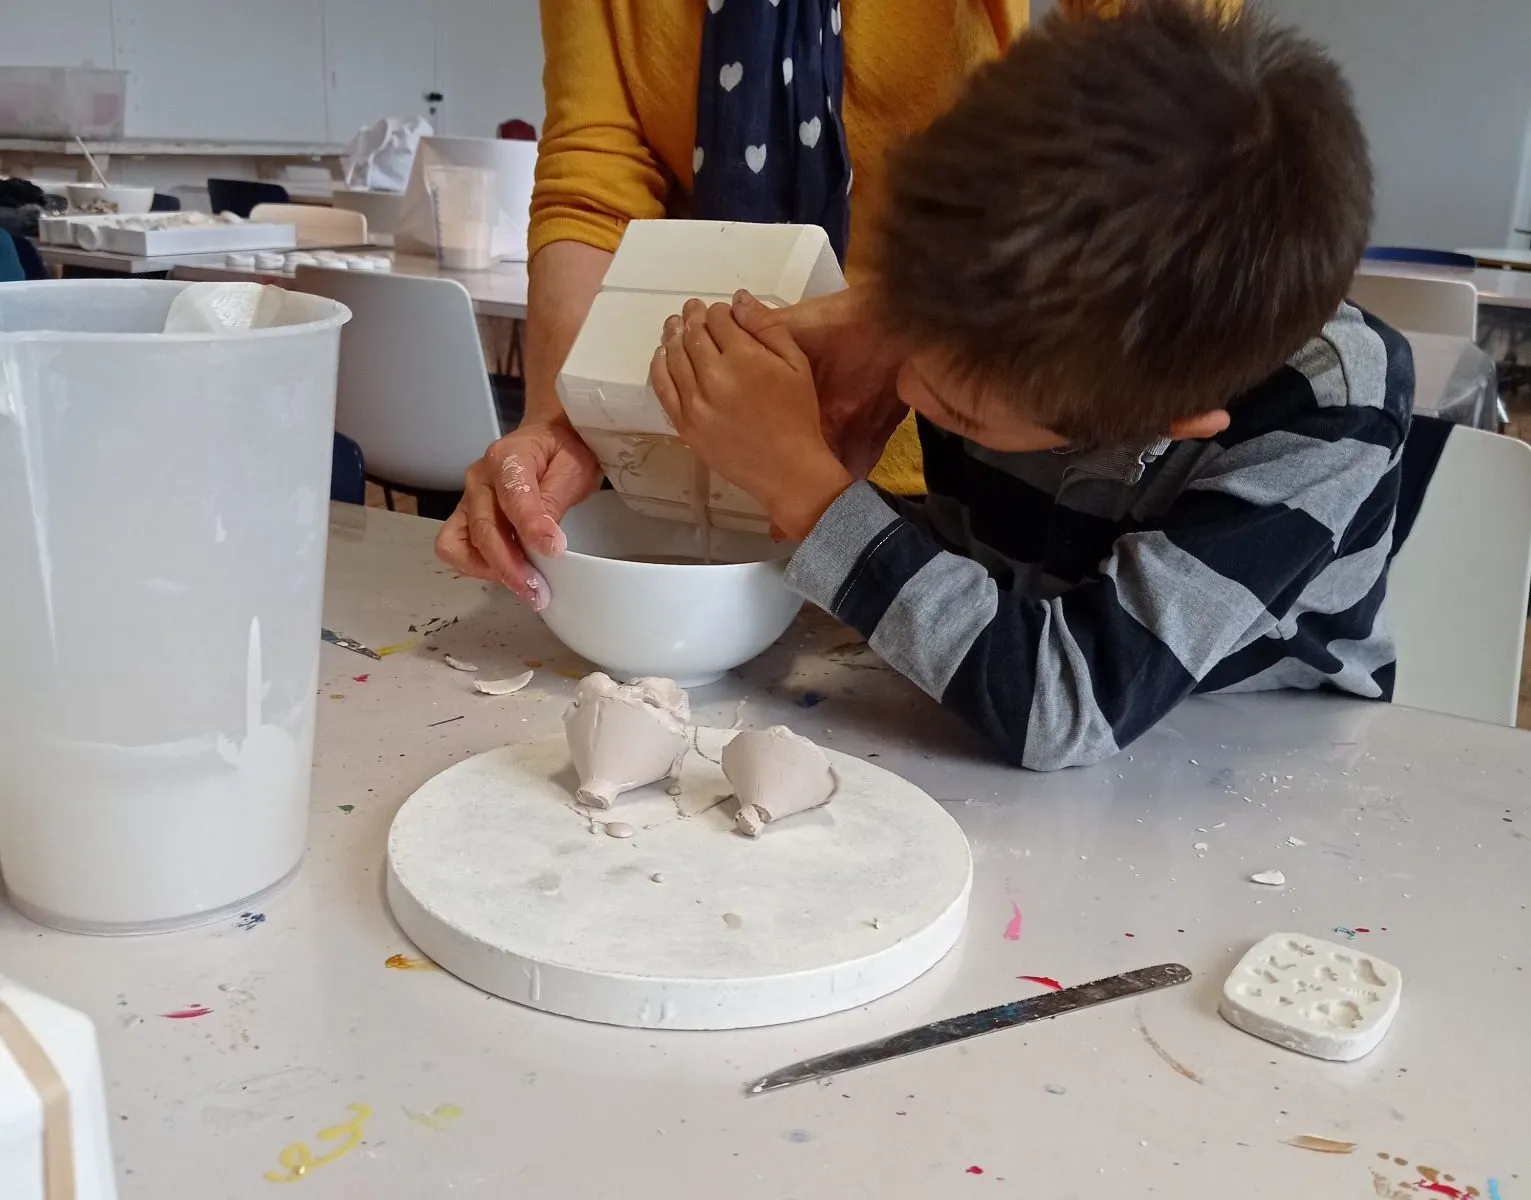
(1269, 878)
(502, 687)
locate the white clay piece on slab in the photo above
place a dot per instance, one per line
(502, 687)
(1315, 997)
(776, 774)
(1268, 878)
(625, 736)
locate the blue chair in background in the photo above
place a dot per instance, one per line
(348, 472)
(19, 260)
(1412, 254)
(239, 196)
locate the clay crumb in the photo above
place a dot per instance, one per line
(657, 876)
(733, 920)
(672, 790)
(619, 829)
(1268, 878)
(458, 664)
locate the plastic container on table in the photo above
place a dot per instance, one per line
(163, 522)
(62, 102)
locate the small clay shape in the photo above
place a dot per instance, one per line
(776, 774)
(623, 737)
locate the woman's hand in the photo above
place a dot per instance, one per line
(515, 496)
(746, 403)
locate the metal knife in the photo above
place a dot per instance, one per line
(956, 1029)
(345, 643)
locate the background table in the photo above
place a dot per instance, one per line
(1410, 830)
(1496, 288)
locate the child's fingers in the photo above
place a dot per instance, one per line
(664, 387)
(703, 351)
(725, 331)
(762, 323)
(682, 373)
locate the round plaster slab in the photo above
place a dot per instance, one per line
(498, 876)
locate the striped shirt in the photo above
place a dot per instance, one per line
(1062, 603)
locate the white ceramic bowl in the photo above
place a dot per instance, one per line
(686, 623)
(130, 201)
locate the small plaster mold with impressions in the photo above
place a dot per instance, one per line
(623, 737)
(776, 774)
(1315, 997)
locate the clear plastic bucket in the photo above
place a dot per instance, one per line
(163, 520)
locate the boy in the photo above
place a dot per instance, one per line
(1162, 453)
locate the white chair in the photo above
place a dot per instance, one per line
(315, 224)
(1456, 598)
(1418, 305)
(414, 390)
(380, 208)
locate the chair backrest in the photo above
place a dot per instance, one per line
(1416, 254)
(239, 196)
(1456, 598)
(164, 203)
(348, 472)
(1414, 304)
(414, 391)
(316, 225)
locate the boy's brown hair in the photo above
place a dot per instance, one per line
(1124, 222)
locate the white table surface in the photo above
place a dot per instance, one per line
(1415, 827)
(497, 292)
(1496, 288)
(1500, 256)
(175, 147)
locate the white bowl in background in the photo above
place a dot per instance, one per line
(683, 622)
(130, 201)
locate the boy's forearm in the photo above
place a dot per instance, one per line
(564, 278)
(1051, 684)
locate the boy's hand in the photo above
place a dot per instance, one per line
(855, 368)
(747, 406)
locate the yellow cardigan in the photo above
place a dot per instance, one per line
(621, 79)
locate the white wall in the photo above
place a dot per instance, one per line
(293, 70)
(1444, 87)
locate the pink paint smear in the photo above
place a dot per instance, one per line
(1013, 930)
(187, 1014)
(1044, 980)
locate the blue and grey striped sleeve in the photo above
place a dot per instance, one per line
(1270, 518)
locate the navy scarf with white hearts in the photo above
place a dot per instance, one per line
(770, 145)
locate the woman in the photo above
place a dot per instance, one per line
(721, 109)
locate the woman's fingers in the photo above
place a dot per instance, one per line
(493, 539)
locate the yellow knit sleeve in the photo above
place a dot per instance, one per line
(595, 172)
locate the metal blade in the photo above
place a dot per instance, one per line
(955, 1029)
(345, 643)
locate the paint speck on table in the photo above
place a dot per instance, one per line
(811, 699)
(1320, 1145)
(1129, 935)
(402, 962)
(348, 809)
(798, 1136)
(361, 678)
(396, 648)
(249, 920)
(436, 1120)
(1013, 930)
(1044, 980)
(1055, 1089)
(190, 1013)
(975, 1170)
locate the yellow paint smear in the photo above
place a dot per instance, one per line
(1320, 1145)
(401, 962)
(396, 648)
